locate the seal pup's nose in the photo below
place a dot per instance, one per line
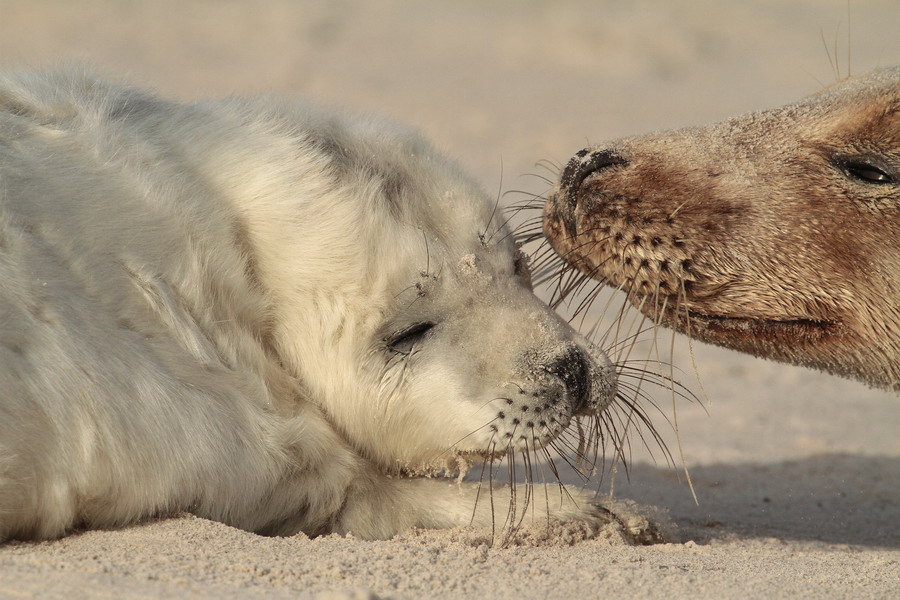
(583, 164)
(573, 369)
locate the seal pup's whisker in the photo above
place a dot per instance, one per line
(484, 465)
(483, 235)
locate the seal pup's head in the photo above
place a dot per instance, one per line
(404, 306)
(775, 233)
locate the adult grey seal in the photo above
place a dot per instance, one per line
(776, 233)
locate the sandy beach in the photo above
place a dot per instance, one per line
(797, 473)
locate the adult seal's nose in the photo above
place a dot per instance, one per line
(584, 164)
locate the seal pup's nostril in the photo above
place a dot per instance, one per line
(573, 369)
(582, 165)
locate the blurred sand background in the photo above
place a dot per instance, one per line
(797, 473)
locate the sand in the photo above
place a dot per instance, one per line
(797, 473)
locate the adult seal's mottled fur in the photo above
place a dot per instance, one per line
(264, 313)
(776, 233)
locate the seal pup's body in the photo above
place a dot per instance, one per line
(266, 314)
(776, 233)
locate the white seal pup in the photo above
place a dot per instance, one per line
(264, 313)
(776, 233)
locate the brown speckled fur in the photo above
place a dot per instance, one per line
(765, 233)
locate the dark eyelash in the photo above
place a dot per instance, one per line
(404, 340)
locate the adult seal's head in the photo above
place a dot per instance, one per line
(775, 233)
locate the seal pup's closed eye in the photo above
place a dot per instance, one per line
(775, 233)
(264, 313)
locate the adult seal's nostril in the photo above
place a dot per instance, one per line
(573, 369)
(582, 165)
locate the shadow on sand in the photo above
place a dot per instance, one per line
(833, 498)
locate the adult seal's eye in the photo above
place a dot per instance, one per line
(867, 173)
(403, 341)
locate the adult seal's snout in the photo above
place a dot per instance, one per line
(573, 369)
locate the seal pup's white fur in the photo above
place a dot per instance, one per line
(264, 313)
